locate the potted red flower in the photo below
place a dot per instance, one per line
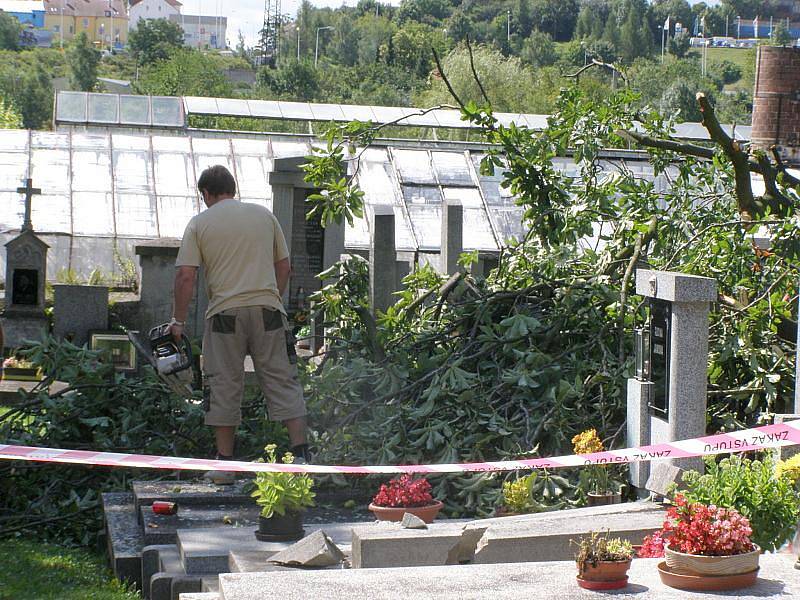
(405, 495)
(706, 547)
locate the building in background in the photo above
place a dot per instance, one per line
(200, 31)
(105, 22)
(27, 13)
(151, 9)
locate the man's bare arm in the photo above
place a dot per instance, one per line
(282, 270)
(185, 278)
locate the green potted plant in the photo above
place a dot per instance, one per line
(405, 495)
(602, 563)
(282, 497)
(599, 483)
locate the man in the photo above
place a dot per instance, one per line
(246, 263)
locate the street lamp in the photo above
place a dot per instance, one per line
(316, 46)
(738, 27)
(297, 29)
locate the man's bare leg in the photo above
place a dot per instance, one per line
(226, 438)
(297, 431)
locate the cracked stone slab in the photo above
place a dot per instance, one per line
(315, 550)
(207, 550)
(389, 545)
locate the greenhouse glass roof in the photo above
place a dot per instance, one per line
(104, 193)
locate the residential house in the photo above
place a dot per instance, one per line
(151, 9)
(200, 31)
(105, 22)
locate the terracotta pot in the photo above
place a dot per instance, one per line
(426, 513)
(695, 564)
(706, 583)
(595, 499)
(604, 575)
(280, 528)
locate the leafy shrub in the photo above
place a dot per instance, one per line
(751, 487)
(595, 547)
(282, 492)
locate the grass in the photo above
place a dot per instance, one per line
(739, 56)
(30, 570)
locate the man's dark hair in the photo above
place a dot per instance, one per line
(217, 180)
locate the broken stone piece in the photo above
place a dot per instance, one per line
(315, 550)
(412, 522)
(662, 477)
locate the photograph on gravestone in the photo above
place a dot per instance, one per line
(25, 287)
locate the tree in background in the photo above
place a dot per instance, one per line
(187, 72)
(82, 59)
(292, 80)
(539, 50)
(634, 35)
(679, 45)
(781, 35)
(36, 98)
(411, 47)
(522, 18)
(9, 117)
(9, 32)
(155, 39)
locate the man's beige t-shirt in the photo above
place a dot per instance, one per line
(237, 244)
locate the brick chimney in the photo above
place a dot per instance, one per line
(776, 101)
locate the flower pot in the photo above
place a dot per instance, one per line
(680, 563)
(595, 499)
(426, 513)
(604, 575)
(706, 583)
(22, 373)
(280, 528)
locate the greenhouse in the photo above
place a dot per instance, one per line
(112, 177)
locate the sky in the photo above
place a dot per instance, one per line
(248, 15)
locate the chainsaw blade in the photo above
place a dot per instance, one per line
(179, 385)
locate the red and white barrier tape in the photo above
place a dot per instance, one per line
(769, 436)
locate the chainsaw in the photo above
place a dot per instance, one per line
(171, 360)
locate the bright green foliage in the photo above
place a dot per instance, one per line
(9, 118)
(751, 487)
(9, 32)
(292, 80)
(517, 494)
(539, 491)
(596, 546)
(35, 571)
(154, 40)
(187, 72)
(781, 35)
(83, 60)
(279, 493)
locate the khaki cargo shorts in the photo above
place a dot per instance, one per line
(264, 334)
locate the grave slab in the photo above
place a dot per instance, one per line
(522, 538)
(124, 537)
(190, 493)
(207, 550)
(162, 529)
(78, 310)
(151, 564)
(777, 579)
(200, 596)
(253, 562)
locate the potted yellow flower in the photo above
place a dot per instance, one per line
(599, 483)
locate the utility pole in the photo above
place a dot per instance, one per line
(508, 27)
(316, 46)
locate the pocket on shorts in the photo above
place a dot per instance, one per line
(222, 323)
(273, 319)
(290, 346)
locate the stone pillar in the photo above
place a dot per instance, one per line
(157, 264)
(638, 427)
(382, 259)
(79, 310)
(689, 297)
(452, 235)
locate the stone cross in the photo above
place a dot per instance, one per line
(29, 192)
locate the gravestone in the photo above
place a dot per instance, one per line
(78, 310)
(452, 235)
(669, 403)
(307, 253)
(382, 259)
